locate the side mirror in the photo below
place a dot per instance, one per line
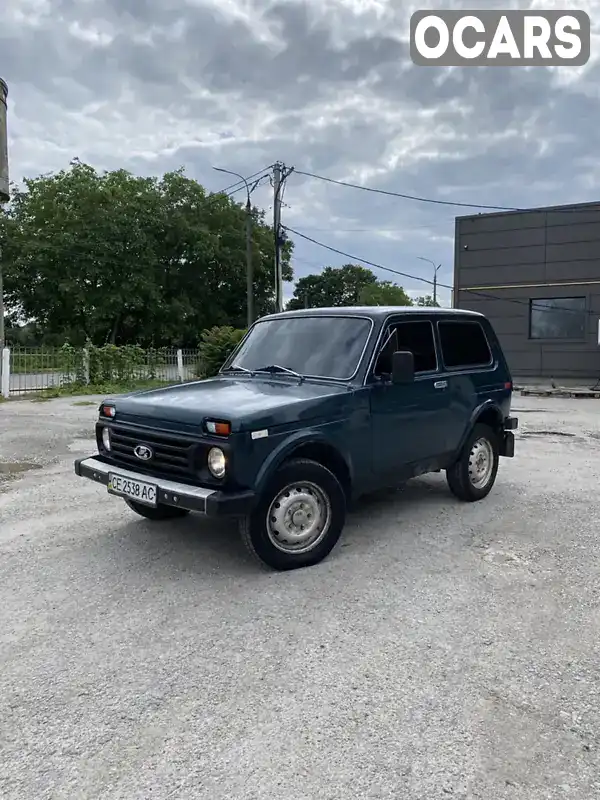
(403, 367)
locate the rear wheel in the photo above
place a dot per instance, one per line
(473, 475)
(157, 513)
(299, 519)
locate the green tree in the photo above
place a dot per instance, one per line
(427, 300)
(335, 286)
(384, 293)
(117, 258)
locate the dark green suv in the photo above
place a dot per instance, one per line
(312, 409)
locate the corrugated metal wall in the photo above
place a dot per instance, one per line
(515, 257)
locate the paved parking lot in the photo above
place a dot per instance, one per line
(443, 650)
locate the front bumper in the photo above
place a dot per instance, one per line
(212, 502)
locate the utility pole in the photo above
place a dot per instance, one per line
(1, 306)
(277, 185)
(249, 265)
(4, 188)
(435, 272)
(280, 175)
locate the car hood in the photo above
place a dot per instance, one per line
(247, 402)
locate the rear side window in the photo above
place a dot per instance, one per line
(464, 344)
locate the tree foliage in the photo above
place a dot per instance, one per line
(384, 293)
(334, 286)
(349, 285)
(427, 300)
(117, 258)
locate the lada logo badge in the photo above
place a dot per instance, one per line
(142, 452)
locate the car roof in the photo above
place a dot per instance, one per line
(372, 312)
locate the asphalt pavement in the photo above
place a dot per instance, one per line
(443, 649)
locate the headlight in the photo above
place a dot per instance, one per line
(106, 438)
(216, 462)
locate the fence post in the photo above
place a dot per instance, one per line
(6, 373)
(86, 366)
(180, 365)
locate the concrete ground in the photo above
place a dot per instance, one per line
(443, 650)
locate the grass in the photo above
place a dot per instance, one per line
(78, 389)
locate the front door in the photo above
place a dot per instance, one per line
(409, 421)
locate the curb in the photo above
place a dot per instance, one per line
(577, 393)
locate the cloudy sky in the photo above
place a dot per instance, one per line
(325, 86)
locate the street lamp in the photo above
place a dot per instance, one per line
(249, 268)
(435, 272)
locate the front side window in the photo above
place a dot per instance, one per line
(319, 346)
(417, 337)
(557, 318)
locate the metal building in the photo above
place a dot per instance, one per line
(536, 275)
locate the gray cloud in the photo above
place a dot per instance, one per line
(326, 86)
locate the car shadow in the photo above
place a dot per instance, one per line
(192, 544)
(195, 544)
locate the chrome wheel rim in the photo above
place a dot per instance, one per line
(481, 463)
(298, 518)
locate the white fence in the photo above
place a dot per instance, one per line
(30, 370)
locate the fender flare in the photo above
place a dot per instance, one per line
(286, 448)
(487, 407)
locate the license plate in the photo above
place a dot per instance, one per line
(128, 487)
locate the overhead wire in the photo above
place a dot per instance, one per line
(241, 184)
(375, 265)
(583, 209)
(404, 196)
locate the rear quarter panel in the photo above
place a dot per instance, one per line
(474, 389)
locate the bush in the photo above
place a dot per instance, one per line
(215, 347)
(113, 363)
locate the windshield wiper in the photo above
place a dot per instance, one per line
(237, 368)
(277, 368)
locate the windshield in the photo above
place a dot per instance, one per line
(323, 347)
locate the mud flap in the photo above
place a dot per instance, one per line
(507, 445)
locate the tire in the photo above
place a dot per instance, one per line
(157, 513)
(464, 480)
(300, 485)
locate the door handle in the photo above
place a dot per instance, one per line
(440, 385)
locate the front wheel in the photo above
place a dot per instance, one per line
(299, 519)
(157, 513)
(472, 476)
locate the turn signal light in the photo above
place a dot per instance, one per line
(219, 428)
(108, 411)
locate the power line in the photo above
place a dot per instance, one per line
(355, 258)
(431, 200)
(240, 184)
(375, 265)
(374, 230)
(406, 196)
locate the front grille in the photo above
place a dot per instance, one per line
(172, 455)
